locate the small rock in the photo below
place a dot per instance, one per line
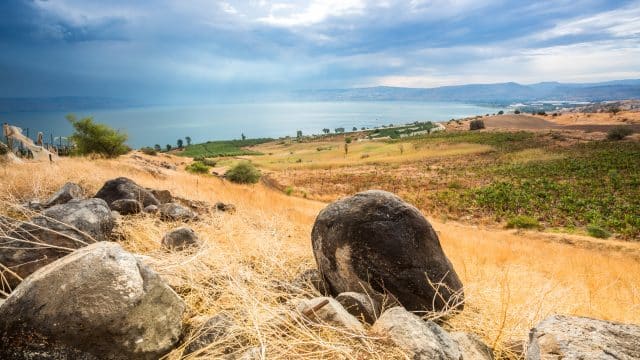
(374, 242)
(180, 239)
(360, 306)
(175, 212)
(572, 337)
(70, 191)
(34, 205)
(124, 188)
(311, 279)
(206, 331)
(98, 302)
(471, 347)
(151, 209)
(127, 206)
(332, 313)
(164, 196)
(230, 208)
(421, 340)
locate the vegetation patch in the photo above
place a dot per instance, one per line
(223, 148)
(244, 173)
(197, 167)
(523, 222)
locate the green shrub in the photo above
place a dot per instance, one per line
(209, 162)
(476, 125)
(149, 151)
(348, 140)
(244, 173)
(92, 138)
(619, 133)
(517, 112)
(522, 222)
(197, 167)
(598, 232)
(288, 190)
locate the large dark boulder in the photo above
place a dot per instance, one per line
(99, 302)
(52, 235)
(572, 337)
(124, 188)
(375, 243)
(127, 206)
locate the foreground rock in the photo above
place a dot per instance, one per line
(471, 347)
(180, 239)
(70, 191)
(330, 311)
(422, 340)
(570, 337)
(53, 234)
(96, 303)
(175, 212)
(127, 206)
(360, 306)
(124, 188)
(374, 242)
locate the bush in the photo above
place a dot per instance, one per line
(244, 173)
(197, 167)
(598, 232)
(288, 190)
(476, 125)
(92, 138)
(517, 112)
(209, 162)
(149, 151)
(522, 222)
(619, 133)
(348, 140)
(500, 112)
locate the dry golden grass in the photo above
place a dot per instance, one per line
(512, 280)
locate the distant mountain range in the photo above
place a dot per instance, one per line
(502, 93)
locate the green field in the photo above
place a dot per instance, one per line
(223, 148)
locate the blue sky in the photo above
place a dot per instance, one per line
(200, 50)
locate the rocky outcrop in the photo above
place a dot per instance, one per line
(175, 212)
(124, 188)
(97, 303)
(376, 243)
(53, 234)
(421, 340)
(127, 206)
(180, 239)
(360, 305)
(571, 337)
(70, 191)
(330, 311)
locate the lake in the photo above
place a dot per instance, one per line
(147, 126)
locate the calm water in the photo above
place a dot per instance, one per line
(164, 125)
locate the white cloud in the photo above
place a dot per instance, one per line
(316, 12)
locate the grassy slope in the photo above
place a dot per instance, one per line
(511, 280)
(222, 148)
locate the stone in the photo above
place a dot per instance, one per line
(421, 340)
(34, 205)
(151, 209)
(360, 305)
(373, 242)
(175, 212)
(206, 331)
(230, 208)
(311, 279)
(180, 239)
(471, 347)
(572, 337)
(164, 196)
(97, 303)
(127, 206)
(332, 313)
(70, 191)
(53, 234)
(124, 188)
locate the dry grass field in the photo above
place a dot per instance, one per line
(512, 279)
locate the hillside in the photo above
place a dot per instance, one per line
(515, 280)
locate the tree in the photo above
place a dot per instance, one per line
(243, 137)
(354, 129)
(169, 147)
(476, 125)
(500, 112)
(299, 134)
(179, 143)
(188, 139)
(339, 130)
(326, 131)
(157, 147)
(93, 138)
(348, 140)
(363, 128)
(517, 112)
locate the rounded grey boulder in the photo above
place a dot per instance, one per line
(70, 191)
(124, 188)
(373, 242)
(180, 239)
(176, 212)
(127, 206)
(98, 302)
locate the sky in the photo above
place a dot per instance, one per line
(202, 50)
